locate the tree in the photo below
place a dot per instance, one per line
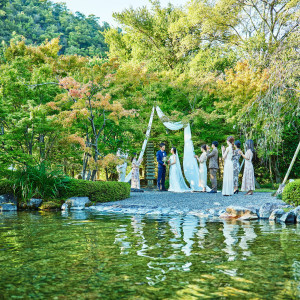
(95, 113)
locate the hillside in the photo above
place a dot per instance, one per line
(38, 20)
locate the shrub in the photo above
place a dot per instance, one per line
(97, 191)
(38, 181)
(291, 193)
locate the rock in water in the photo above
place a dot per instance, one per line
(266, 209)
(276, 214)
(8, 207)
(297, 213)
(288, 217)
(75, 203)
(8, 198)
(34, 203)
(241, 213)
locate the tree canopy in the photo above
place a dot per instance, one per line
(227, 67)
(38, 20)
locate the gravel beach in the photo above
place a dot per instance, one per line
(168, 202)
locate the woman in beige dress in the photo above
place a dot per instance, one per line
(202, 168)
(248, 183)
(135, 176)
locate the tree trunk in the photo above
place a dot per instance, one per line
(94, 173)
(88, 175)
(84, 165)
(270, 171)
(281, 187)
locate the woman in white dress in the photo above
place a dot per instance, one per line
(227, 153)
(176, 181)
(202, 168)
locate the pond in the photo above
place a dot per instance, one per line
(83, 255)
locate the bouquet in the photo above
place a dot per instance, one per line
(166, 159)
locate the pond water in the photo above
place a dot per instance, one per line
(82, 255)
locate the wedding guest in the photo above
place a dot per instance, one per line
(236, 165)
(135, 176)
(227, 153)
(161, 155)
(202, 168)
(213, 165)
(248, 183)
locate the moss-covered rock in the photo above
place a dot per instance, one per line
(51, 205)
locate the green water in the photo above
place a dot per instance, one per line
(82, 255)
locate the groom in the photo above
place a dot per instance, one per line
(161, 176)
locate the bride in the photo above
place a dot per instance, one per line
(176, 180)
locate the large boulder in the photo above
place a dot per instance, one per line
(8, 198)
(8, 207)
(266, 209)
(288, 217)
(297, 213)
(33, 203)
(76, 203)
(241, 213)
(276, 214)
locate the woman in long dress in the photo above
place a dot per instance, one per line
(227, 153)
(236, 165)
(176, 180)
(202, 168)
(248, 183)
(135, 176)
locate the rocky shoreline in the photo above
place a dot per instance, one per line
(240, 207)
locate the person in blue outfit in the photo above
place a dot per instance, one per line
(161, 176)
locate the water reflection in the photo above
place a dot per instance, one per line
(157, 257)
(167, 241)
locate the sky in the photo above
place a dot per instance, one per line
(105, 8)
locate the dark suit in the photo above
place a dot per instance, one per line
(161, 176)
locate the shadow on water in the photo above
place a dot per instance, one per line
(87, 255)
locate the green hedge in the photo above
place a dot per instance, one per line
(97, 191)
(291, 193)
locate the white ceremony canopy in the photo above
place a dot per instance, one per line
(190, 165)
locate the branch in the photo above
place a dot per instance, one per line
(39, 84)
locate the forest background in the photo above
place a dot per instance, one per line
(73, 91)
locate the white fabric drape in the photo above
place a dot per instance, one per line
(166, 122)
(128, 177)
(190, 165)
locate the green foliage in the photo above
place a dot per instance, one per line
(227, 67)
(97, 191)
(291, 193)
(40, 20)
(6, 187)
(38, 181)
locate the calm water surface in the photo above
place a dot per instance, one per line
(85, 255)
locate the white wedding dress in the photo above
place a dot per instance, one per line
(228, 188)
(176, 181)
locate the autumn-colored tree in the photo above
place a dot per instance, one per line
(96, 113)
